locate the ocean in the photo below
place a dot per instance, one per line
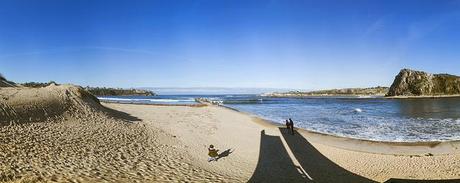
(378, 119)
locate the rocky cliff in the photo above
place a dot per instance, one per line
(418, 83)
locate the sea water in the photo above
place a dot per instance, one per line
(379, 119)
(157, 99)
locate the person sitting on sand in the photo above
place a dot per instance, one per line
(291, 125)
(212, 153)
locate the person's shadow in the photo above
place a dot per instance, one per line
(225, 153)
(274, 164)
(315, 164)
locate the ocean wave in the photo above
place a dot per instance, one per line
(370, 125)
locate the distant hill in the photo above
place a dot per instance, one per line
(373, 91)
(418, 83)
(5, 83)
(211, 90)
(103, 91)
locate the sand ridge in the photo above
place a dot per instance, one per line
(23, 104)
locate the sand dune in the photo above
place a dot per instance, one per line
(60, 133)
(22, 104)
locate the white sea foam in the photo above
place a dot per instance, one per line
(363, 126)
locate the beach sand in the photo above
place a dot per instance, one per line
(77, 139)
(263, 152)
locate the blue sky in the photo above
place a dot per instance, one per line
(215, 43)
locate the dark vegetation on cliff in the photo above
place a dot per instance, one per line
(103, 91)
(38, 84)
(418, 83)
(98, 91)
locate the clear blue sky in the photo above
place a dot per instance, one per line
(274, 43)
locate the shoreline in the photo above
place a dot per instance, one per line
(417, 148)
(367, 96)
(348, 143)
(363, 145)
(329, 96)
(423, 97)
(133, 103)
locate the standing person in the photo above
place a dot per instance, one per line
(291, 125)
(212, 153)
(288, 125)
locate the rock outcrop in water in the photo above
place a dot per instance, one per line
(418, 83)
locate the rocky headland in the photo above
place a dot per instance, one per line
(411, 83)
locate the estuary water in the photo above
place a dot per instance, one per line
(379, 119)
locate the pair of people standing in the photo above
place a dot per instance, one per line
(290, 125)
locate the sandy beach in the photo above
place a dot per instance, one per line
(264, 152)
(70, 137)
(229, 91)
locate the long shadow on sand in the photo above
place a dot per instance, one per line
(225, 153)
(316, 165)
(274, 163)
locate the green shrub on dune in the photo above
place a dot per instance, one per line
(103, 91)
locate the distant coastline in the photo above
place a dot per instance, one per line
(408, 84)
(346, 92)
(103, 91)
(422, 96)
